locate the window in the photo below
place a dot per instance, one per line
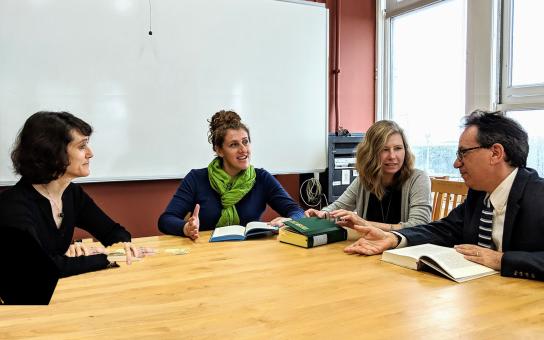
(522, 77)
(438, 60)
(522, 69)
(425, 87)
(531, 121)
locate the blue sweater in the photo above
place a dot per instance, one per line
(195, 188)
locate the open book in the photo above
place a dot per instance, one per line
(446, 261)
(240, 233)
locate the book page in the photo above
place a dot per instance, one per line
(408, 257)
(416, 252)
(404, 257)
(229, 230)
(456, 265)
(260, 225)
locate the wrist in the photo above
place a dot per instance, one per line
(394, 240)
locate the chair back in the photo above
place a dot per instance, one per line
(446, 196)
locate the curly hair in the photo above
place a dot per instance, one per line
(368, 161)
(219, 124)
(40, 150)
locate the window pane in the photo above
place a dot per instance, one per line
(532, 123)
(428, 82)
(527, 49)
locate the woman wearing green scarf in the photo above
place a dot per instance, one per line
(230, 190)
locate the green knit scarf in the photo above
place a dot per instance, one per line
(231, 189)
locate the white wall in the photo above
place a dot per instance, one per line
(148, 97)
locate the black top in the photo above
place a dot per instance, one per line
(388, 209)
(22, 207)
(28, 277)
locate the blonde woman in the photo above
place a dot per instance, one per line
(389, 192)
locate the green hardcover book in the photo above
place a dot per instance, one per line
(311, 232)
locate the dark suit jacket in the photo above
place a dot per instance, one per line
(523, 237)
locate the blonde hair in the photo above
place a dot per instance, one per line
(368, 157)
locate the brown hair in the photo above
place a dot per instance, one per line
(368, 160)
(219, 124)
(40, 151)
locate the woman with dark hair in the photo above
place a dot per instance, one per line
(230, 190)
(389, 192)
(51, 150)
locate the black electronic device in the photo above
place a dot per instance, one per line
(341, 169)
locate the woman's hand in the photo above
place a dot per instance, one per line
(190, 228)
(129, 251)
(80, 249)
(132, 251)
(278, 221)
(348, 219)
(316, 213)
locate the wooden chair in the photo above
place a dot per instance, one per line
(446, 196)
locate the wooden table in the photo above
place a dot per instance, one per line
(267, 289)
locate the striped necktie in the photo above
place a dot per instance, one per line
(486, 225)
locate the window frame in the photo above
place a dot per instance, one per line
(515, 98)
(489, 56)
(482, 68)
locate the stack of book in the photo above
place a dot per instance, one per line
(311, 232)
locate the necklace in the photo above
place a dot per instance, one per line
(60, 213)
(384, 217)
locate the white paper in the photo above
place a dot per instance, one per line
(346, 177)
(229, 230)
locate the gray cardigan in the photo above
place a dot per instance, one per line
(415, 207)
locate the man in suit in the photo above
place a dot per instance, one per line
(501, 223)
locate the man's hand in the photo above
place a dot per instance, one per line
(373, 241)
(486, 257)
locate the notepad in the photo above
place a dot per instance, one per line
(240, 233)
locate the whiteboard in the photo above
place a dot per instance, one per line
(148, 97)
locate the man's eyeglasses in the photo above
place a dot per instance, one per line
(461, 152)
